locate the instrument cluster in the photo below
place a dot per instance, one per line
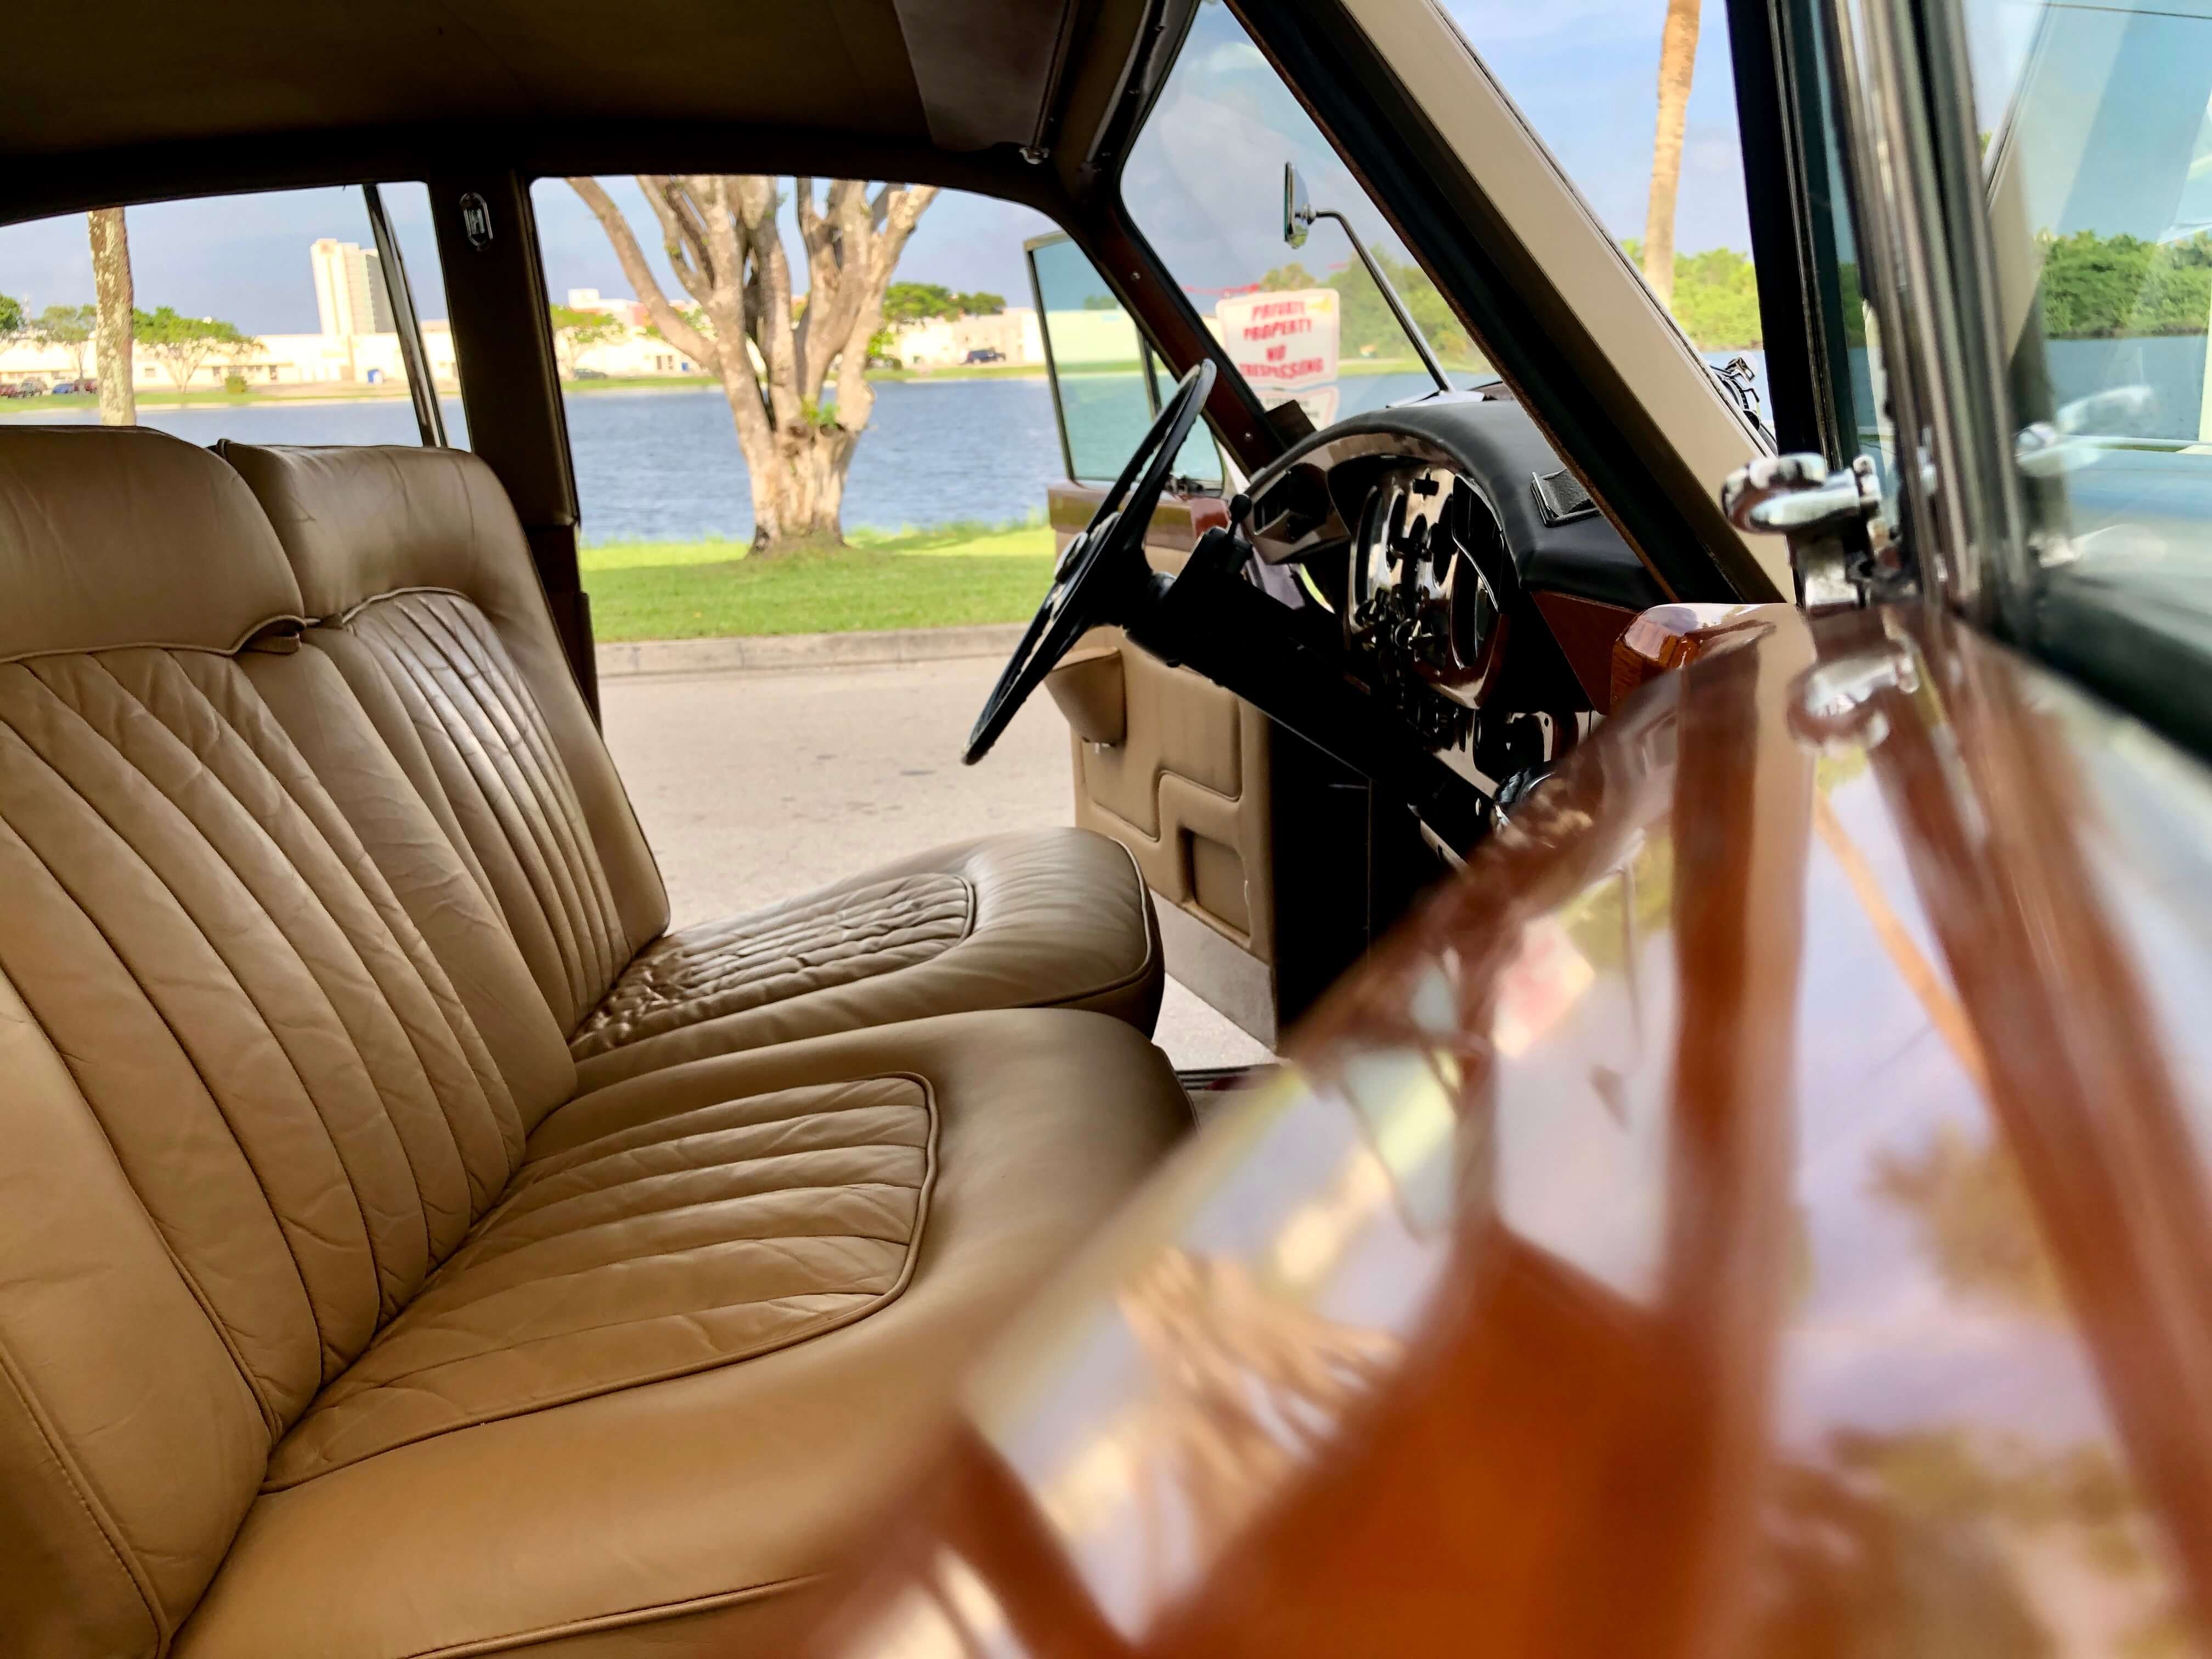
(1420, 599)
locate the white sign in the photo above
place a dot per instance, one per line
(1282, 343)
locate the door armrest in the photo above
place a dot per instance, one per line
(1087, 686)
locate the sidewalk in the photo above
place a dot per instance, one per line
(767, 653)
(755, 786)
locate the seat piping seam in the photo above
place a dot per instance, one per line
(647, 1613)
(231, 650)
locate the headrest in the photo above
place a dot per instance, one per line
(117, 536)
(360, 522)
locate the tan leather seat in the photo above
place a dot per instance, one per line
(335, 1320)
(413, 560)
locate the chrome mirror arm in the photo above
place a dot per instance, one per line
(1298, 216)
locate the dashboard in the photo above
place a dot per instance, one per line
(1473, 586)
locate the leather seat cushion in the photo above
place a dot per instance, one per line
(687, 1241)
(699, 1504)
(1047, 918)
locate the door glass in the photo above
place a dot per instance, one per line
(1098, 365)
(1853, 346)
(262, 317)
(2099, 177)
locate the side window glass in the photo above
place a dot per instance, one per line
(264, 318)
(1099, 364)
(2101, 228)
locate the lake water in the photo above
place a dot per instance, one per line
(654, 465)
(664, 466)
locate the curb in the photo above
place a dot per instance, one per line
(775, 653)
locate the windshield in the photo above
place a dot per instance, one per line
(1204, 184)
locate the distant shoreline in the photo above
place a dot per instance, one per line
(310, 395)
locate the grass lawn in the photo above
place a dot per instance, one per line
(913, 579)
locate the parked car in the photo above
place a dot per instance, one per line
(74, 388)
(22, 389)
(1733, 909)
(985, 355)
(591, 375)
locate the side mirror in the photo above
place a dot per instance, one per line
(1297, 216)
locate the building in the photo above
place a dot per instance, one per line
(631, 312)
(351, 297)
(940, 342)
(357, 345)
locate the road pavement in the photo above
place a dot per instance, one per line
(756, 786)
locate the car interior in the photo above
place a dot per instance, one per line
(413, 1247)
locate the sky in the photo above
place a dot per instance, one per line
(1583, 72)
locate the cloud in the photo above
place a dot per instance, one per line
(1486, 23)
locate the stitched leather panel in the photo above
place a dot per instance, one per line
(508, 788)
(285, 1073)
(786, 951)
(684, 1243)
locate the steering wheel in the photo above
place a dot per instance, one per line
(1102, 565)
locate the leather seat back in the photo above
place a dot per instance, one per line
(415, 563)
(247, 1107)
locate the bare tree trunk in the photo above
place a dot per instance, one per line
(722, 241)
(1677, 59)
(111, 287)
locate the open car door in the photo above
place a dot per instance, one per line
(1186, 776)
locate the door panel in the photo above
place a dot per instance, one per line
(1212, 799)
(1186, 787)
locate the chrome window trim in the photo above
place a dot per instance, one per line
(1907, 104)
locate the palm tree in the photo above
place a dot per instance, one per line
(1678, 58)
(111, 287)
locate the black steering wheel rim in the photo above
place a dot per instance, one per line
(1096, 565)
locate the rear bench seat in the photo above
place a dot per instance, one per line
(413, 560)
(336, 1319)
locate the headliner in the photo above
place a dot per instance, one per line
(937, 81)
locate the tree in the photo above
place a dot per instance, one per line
(1678, 58)
(915, 302)
(111, 287)
(11, 316)
(1366, 326)
(722, 239)
(575, 330)
(1715, 298)
(2121, 287)
(69, 328)
(181, 344)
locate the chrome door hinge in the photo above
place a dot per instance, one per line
(1841, 550)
